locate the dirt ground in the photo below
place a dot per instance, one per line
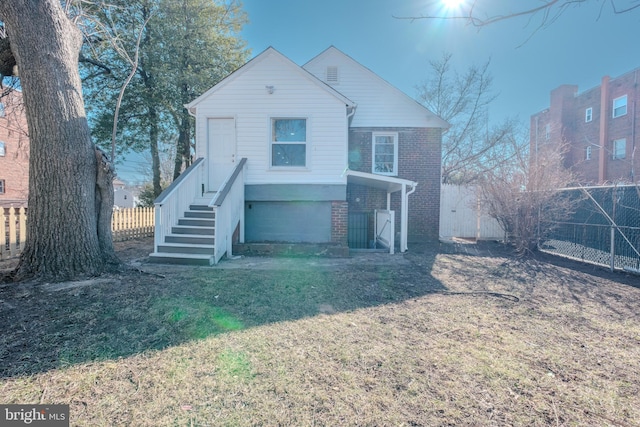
(445, 334)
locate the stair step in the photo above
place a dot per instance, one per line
(200, 208)
(175, 258)
(190, 239)
(197, 222)
(199, 231)
(185, 248)
(200, 214)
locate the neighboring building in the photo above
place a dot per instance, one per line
(14, 151)
(599, 127)
(318, 148)
(122, 198)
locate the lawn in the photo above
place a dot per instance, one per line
(444, 335)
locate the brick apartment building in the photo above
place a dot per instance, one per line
(599, 127)
(14, 151)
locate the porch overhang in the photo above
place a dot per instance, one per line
(390, 184)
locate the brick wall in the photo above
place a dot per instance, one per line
(566, 119)
(14, 165)
(339, 214)
(419, 151)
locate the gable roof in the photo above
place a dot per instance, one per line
(287, 62)
(384, 96)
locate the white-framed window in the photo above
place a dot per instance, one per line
(588, 115)
(547, 131)
(288, 142)
(620, 106)
(3, 149)
(587, 153)
(2, 187)
(619, 148)
(2, 111)
(385, 153)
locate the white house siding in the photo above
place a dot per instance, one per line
(245, 98)
(379, 103)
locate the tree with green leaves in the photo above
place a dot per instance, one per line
(187, 47)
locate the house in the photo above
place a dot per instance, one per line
(327, 153)
(14, 150)
(122, 197)
(598, 126)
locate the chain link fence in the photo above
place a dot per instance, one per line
(604, 229)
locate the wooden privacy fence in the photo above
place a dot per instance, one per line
(126, 224)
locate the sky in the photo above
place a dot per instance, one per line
(581, 46)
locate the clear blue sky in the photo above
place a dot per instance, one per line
(580, 47)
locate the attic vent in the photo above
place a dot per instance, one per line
(332, 74)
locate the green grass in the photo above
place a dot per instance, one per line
(425, 340)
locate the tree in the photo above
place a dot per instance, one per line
(524, 194)
(469, 147)
(187, 47)
(70, 183)
(480, 13)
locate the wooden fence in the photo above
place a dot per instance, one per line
(126, 224)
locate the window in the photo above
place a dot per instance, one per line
(288, 142)
(588, 115)
(2, 112)
(2, 186)
(619, 149)
(620, 106)
(332, 74)
(3, 150)
(547, 131)
(587, 153)
(385, 153)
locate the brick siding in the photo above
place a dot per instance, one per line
(339, 220)
(14, 165)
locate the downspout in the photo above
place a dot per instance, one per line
(405, 215)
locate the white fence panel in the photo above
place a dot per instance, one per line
(461, 215)
(385, 228)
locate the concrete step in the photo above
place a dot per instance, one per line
(185, 248)
(197, 222)
(200, 231)
(176, 258)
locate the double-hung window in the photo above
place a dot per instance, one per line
(385, 153)
(2, 189)
(619, 149)
(588, 115)
(289, 142)
(587, 153)
(620, 106)
(3, 149)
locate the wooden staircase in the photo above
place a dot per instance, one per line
(191, 241)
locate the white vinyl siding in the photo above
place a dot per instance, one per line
(378, 101)
(246, 98)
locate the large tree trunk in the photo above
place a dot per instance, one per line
(63, 241)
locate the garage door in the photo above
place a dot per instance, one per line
(294, 222)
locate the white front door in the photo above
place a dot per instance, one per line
(221, 139)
